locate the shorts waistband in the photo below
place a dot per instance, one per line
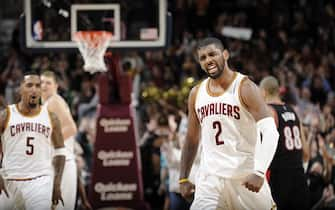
(25, 179)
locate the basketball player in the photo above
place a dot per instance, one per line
(287, 179)
(57, 104)
(29, 132)
(238, 137)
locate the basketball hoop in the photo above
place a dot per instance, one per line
(92, 46)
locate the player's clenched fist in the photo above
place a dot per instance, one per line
(57, 196)
(253, 182)
(187, 189)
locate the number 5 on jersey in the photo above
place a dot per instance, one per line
(30, 146)
(217, 126)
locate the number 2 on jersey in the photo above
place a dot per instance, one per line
(30, 149)
(217, 126)
(292, 138)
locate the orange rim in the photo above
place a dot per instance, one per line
(106, 34)
(93, 38)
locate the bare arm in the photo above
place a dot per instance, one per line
(58, 142)
(58, 105)
(253, 100)
(58, 159)
(267, 138)
(190, 147)
(268, 135)
(305, 144)
(3, 121)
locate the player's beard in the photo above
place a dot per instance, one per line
(217, 74)
(33, 102)
(32, 105)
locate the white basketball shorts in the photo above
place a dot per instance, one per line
(34, 194)
(217, 193)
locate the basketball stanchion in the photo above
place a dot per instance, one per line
(116, 172)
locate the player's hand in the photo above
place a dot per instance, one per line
(3, 187)
(86, 205)
(253, 182)
(57, 196)
(187, 190)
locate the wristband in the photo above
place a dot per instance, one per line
(60, 151)
(260, 173)
(184, 180)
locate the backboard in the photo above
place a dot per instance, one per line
(51, 24)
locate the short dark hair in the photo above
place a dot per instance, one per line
(29, 73)
(210, 40)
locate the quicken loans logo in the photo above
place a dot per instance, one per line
(115, 125)
(115, 191)
(114, 158)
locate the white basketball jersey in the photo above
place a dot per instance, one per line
(228, 131)
(26, 143)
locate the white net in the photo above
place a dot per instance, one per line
(92, 46)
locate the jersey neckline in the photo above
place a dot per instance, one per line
(28, 115)
(208, 91)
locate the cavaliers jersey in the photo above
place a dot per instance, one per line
(26, 144)
(228, 131)
(289, 149)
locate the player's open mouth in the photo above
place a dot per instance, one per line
(211, 68)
